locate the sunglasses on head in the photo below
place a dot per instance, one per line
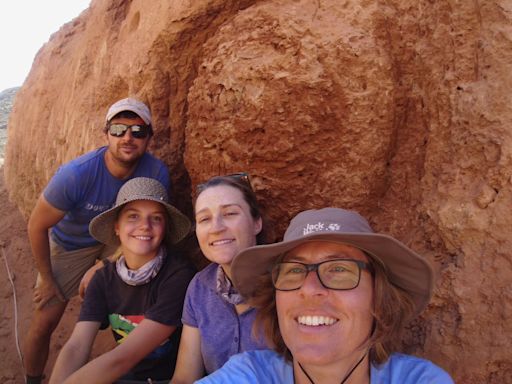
(139, 131)
(239, 176)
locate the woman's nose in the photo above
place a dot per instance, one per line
(217, 224)
(145, 222)
(312, 285)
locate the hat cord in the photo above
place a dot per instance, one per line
(344, 379)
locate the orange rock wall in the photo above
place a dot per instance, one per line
(397, 108)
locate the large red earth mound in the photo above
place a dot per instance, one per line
(397, 108)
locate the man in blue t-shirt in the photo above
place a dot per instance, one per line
(58, 230)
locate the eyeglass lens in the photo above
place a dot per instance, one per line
(139, 131)
(339, 274)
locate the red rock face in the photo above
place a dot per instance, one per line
(399, 109)
(294, 102)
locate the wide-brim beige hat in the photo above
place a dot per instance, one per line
(406, 269)
(139, 188)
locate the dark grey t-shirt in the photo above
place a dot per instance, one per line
(110, 301)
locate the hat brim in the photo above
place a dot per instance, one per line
(102, 226)
(406, 269)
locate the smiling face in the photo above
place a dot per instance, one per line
(141, 228)
(224, 225)
(126, 150)
(321, 326)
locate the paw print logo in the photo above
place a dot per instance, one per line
(334, 227)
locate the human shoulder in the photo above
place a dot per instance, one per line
(86, 159)
(206, 277)
(201, 297)
(177, 262)
(80, 164)
(150, 157)
(174, 276)
(258, 366)
(407, 369)
(150, 161)
(102, 278)
(176, 271)
(99, 290)
(150, 166)
(261, 357)
(71, 173)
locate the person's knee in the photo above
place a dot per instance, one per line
(45, 321)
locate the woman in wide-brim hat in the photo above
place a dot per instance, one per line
(333, 299)
(140, 295)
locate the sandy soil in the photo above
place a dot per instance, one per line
(14, 323)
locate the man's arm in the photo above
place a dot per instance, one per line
(43, 217)
(88, 277)
(112, 365)
(189, 366)
(75, 352)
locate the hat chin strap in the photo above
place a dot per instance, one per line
(347, 376)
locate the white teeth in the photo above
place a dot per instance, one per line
(316, 320)
(143, 237)
(221, 242)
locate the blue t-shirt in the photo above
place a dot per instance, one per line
(270, 368)
(223, 332)
(83, 188)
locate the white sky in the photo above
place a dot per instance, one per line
(25, 25)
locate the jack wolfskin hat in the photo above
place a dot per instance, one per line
(139, 188)
(130, 104)
(406, 269)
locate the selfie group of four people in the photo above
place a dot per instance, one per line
(327, 304)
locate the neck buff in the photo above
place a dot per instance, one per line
(142, 275)
(225, 288)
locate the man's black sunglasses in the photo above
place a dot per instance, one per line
(139, 131)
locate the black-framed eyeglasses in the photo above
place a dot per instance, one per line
(216, 180)
(338, 274)
(139, 131)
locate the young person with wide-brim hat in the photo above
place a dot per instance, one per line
(140, 295)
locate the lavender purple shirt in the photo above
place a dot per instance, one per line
(224, 333)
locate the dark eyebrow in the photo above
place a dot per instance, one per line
(224, 206)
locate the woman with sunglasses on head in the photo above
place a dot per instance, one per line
(140, 295)
(217, 322)
(332, 299)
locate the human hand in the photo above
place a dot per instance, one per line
(45, 291)
(87, 278)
